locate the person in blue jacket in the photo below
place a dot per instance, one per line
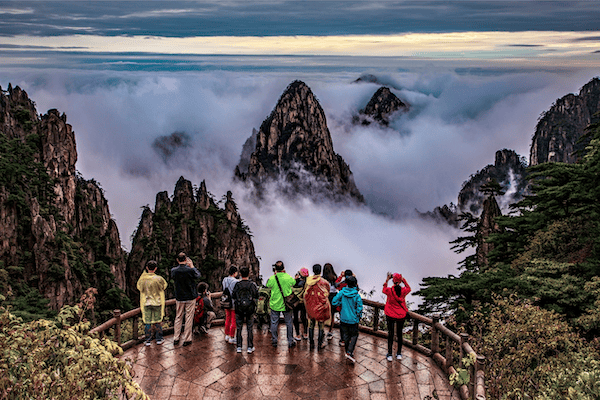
(352, 305)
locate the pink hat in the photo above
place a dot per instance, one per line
(397, 278)
(304, 272)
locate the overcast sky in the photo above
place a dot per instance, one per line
(477, 74)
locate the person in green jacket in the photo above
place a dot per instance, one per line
(152, 301)
(285, 281)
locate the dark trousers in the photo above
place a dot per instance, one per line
(239, 323)
(300, 316)
(349, 336)
(399, 325)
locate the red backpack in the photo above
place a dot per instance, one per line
(199, 313)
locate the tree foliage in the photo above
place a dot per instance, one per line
(58, 359)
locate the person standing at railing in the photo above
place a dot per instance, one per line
(351, 309)
(395, 310)
(318, 308)
(152, 301)
(185, 277)
(228, 285)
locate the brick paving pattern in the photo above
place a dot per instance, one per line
(211, 369)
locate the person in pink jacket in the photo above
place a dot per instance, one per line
(395, 310)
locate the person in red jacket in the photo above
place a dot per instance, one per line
(395, 310)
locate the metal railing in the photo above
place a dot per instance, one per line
(438, 334)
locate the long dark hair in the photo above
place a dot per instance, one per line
(398, 289)
(329, 273)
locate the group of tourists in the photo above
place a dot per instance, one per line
(310, 300)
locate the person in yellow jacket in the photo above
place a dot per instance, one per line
(152, 301)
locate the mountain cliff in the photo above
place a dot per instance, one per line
(381, 108)
(57, 235)
(294, 153)
(192, 222)
(559, 129)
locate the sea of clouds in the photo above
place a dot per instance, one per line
(457, 121)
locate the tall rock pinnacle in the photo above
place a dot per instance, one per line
(294, 152)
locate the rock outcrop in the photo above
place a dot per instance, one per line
(192, 222)
(487, 225)
(57, 233)
(381, 108)
(559, 129)
(294, 153)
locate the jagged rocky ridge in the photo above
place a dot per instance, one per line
(294, 153)
(57, 234)
(381, 108)
(559, 129)
(192, 222)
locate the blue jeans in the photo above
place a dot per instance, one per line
(148, 330)
(287, 317)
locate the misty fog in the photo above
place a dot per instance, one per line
(456, 124)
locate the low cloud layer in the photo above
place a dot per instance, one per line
(456, 124)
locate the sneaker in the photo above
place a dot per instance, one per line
(398, 356)
(250, 350)
(389, 357)
(342, 343)
(239, 349)
(350, 358)
(329, 336)
(274, 344)
(176, 342)
(305, 336)
(204, 329)
(298, 338)
(227, 338)
(292, 345)
(148, 343)
(233, 340)
(160, 341)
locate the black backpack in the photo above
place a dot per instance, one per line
(244, 303)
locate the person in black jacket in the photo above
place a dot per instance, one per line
(245, 294)
(184, 276)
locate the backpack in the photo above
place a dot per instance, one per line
(262, 305)
(244, 303)
(226, 301)
(199, 313)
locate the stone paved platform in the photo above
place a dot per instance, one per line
(211, 368)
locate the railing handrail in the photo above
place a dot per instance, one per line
(475, 390)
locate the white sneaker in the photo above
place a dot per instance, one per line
(160, 341)
(350, 358)
(233, 340)
(298, 338)
(227, 338)
(239, 349)
(250, 350)
(398, 356)
(148, 343)
(390, 358)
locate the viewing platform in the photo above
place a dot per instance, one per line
(211, 368)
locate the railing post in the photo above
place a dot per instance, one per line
(464, 338)
(435, 335)
(117, 315)
(375, 319)
(415, 332)
(449, 355)
(134, 327)
(480, 378)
